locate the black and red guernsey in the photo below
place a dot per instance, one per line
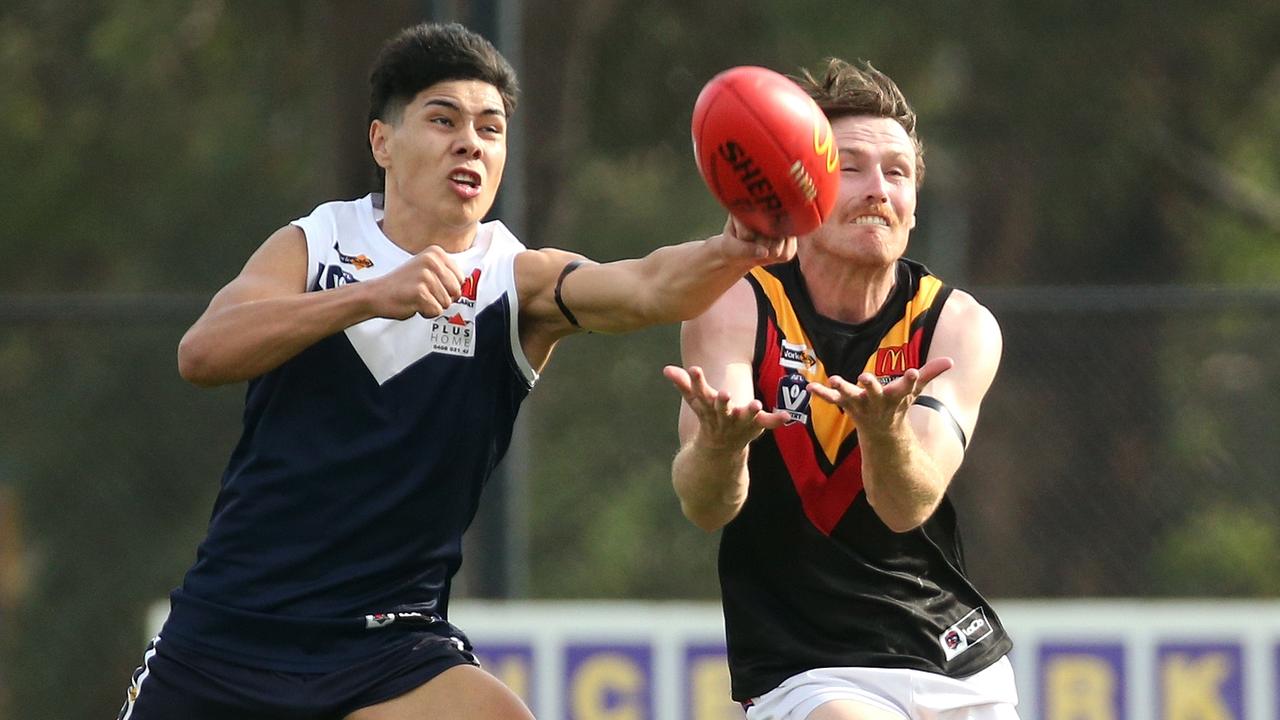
(810, 575)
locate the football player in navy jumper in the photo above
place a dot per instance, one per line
(387, 342)
(827, 404)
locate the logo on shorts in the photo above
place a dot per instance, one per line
(970, 630)
(381, 620)
(378, 620)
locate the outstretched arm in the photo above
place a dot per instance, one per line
(910, 452)
(720, 415)
(265, 316)
(670, 284)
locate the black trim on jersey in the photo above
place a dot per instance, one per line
(766, 317)
(930, 321)
(934, 403)
(764, 314)
(797, 597)
(846, 347)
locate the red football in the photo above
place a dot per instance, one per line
(766, 151)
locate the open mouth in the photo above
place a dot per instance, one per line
(871, 220)
(465, 182)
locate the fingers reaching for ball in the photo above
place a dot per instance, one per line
(762, 249)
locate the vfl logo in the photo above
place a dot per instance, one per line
(793, 398)
(824, 145)
(361, 261)
(970, 630)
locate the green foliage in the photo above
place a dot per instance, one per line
(150, 145)
(1223, 550)
(607, 523)
(153, 144)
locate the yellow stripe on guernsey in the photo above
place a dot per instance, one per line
(831, 426)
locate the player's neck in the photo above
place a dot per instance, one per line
(845, 291)
(413, 229)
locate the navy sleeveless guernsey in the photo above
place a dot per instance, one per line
(340, 517)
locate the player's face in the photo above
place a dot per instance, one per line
(446, 153)
(876, 208)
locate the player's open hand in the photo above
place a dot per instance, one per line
(876, 408)
(721, 424)
(427, 284)
(740, 243)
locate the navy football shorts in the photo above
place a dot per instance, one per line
(177, 683)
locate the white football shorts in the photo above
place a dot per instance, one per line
(913, 694)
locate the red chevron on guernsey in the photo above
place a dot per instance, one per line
(824, 497)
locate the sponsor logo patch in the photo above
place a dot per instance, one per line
(796, 357)
(469, 285)
(361, 261)
(891, 361)
(454, 333)
(372, 622)
(970, 630)
(381, 620)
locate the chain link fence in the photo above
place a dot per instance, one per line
(1128, 446)
(1127, 449)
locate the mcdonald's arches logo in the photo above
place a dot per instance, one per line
(893, 360)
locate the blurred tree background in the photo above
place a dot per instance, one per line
(1104, 176)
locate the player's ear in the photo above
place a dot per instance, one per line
(379, 142)
(911, 222)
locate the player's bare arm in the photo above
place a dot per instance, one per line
(264, 316)
(670, 284)
(910, 452)
(719, 415)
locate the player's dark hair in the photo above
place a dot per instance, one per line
(847, 90)
(428, 53)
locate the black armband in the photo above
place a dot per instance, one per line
(934, 403)
(560, 300)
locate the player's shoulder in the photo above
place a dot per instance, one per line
(963, 308)
(967, 325)
(344, 208)
(727, 328)
(538, 269)
(498, 238)
(736, 305)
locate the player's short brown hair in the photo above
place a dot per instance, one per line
(847, 90)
